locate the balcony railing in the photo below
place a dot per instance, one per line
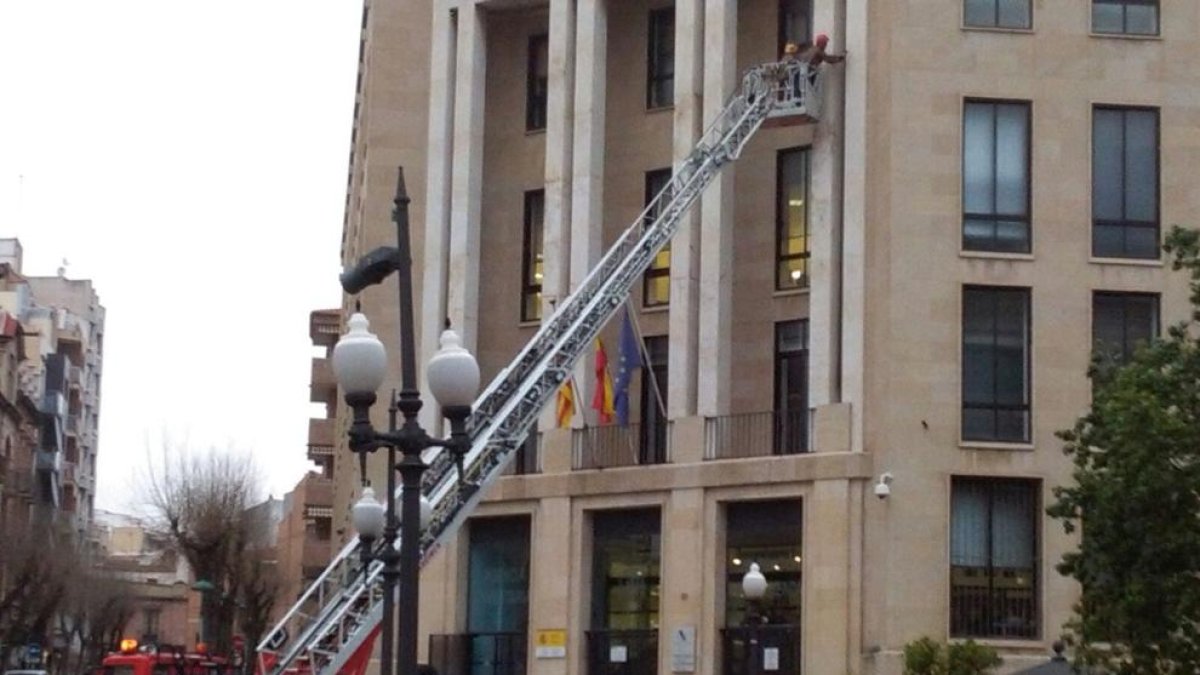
(761, 434)
(614, 445)
(760, 650)
(1008, 609)
(622, 652)
(320, 437)
(528, 456)
(478, 653)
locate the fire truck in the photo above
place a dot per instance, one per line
(163, 660)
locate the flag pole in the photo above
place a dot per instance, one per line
(637, 329)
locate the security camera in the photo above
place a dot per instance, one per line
(883, 488)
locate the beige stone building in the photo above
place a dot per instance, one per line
(911, 286)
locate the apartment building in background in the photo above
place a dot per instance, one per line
(911, 285)
(54, 344)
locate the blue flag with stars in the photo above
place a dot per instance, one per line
(631, 361)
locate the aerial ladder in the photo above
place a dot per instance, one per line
(332, 626)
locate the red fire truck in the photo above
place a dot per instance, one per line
(163, 660)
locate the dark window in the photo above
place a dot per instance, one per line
(656, 283)
(997, 14)
(795, 23)
(526, 461)
(497, 595)
(993, 558)
(995, 368)
(791, 218)
(654, 416)
(767, 533)
(1123, 321)
(660, 59)
(625, 569)
(996, 176)
(536, 85)
(791, 387)
(1129, 17)
(1125, 183)
(531, 257)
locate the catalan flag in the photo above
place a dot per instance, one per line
(565, 410)
(602, 400)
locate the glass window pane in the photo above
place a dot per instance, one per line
(1108, 323)
(791, 215)
(498, 583)
(1107, 141)
(1012, 426)
(1141, 19)
(979, 233)
(625, 569)
(1014, 13)
(978, 158)
(1107, 17)
(1141, 320)
(968, 524)
(1012, 161)
(1012, 236)
(793, 22)
(1108, 241)
(1141, 165)
(980, 12)
(978, 424)
(1141, 242)
(768, 533)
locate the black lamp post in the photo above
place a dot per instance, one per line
(360, 363)
(754, 587)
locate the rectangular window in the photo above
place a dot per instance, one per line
(995, 364)
(795, 24)
(1121, 322)
(997, 14)
(536, 84)
(531, 256)
(654, 416)
(656, 282)
(626, 579)
(994, 558)
(497, 594)
(791, 387)
(660, 59)
(995, 176)
(1125, 17)
(1125, 182)
(791, 219)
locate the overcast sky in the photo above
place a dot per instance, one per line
(190, 158)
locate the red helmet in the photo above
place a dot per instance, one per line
(822, 39)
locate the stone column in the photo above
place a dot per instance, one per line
(550, 573)
(559, 127)
(466, 177)
(854, 217)
(685, 246)
(827, 573)
(587, 183)
(681, 599)
(716, 219)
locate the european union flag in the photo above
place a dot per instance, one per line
(631, 361)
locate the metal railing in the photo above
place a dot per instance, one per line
(773, 649)
(478, 653)
(760, 434)
(613, 445)
(986, 610)
(529, 455)
(622, 652)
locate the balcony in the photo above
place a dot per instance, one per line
(323, 384)
(324, 327)
(72, 425)
(478, 653)
(622, 652)
(318, 492)
(69, 474)
(49, 461)
(760, 649)
(761, 434)
(320, 439)
(75, 377)
(612, 445)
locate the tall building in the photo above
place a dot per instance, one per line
(911, 285)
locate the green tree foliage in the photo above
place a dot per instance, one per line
(927, 657)
(1136, 498)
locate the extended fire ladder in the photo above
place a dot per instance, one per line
(336, 618)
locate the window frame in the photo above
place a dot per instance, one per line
(781, 234)
(531, 287)
(1027, 218)
(1126, 349)
(1124, 5)
(783, 437)
(1034, 486)
(995, 24)
(653, 449)
(781, 26)
(1027, 374)
(1126, 223)
(537, 88)
(655, 271)
(659, 20)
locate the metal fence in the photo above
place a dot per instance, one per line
(761, 650)
(614, 445)
(622, 652)
(760, 434)
(478, 653)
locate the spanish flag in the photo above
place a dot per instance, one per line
(602, 400)
(566, 405)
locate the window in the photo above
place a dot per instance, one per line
(660, 59)
(151, 616)
(497, 594)
(791, 387)
(536, 84)
(995, 368)
(996, 176)
(625, 569)
(997, 14)
(531, 256)
(1121, 322)
(656, 282)
(654, 401)
(1125, 183)
(791, 219)
(993, 558)
(1126, 17)
(767, 533)
(795, 25)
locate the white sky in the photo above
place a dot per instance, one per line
(190, 158)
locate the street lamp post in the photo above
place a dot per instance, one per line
(754, 587)
(359, 363)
